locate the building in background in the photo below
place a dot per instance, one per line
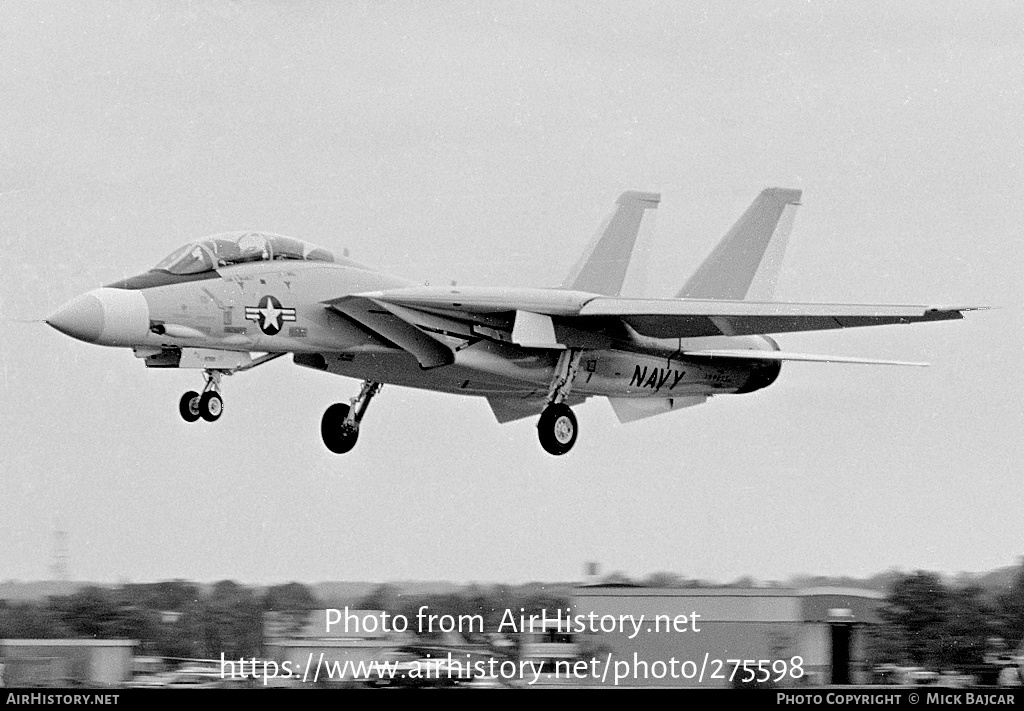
(800, 637)
(66, 662)
(326, 648)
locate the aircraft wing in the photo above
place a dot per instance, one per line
(391, 324)
(686, 318)
(663, 318)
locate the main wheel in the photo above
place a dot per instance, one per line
(557, 429)
(188, 406)
(210, 406)
(339, 436)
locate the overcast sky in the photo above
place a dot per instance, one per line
(484, 142)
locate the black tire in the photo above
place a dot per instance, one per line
(188, 406)
(557, 429)
(211, 406)
(337, 435)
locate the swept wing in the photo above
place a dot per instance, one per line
(416, 319)
(667, 318)
(686, 318)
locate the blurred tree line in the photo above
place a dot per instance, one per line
(170, 619)
(924, 621)
(184, 620)
(927, 623)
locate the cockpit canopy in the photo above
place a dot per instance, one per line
(236, 248)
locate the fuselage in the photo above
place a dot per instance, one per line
(279, 307)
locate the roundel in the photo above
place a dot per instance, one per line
(269, 315)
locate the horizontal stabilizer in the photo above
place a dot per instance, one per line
(808, 357)
(629, 409)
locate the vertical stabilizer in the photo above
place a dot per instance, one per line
(746, 263)
(603, 266)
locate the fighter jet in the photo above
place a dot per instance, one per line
(228, 303)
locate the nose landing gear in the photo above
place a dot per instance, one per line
(208, 405)
(339, 426)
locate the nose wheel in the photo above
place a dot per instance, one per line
(208, 405)
(339, 426)
(189, 406)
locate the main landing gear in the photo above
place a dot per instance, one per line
(557, 428)
(208, 405)
(339, 426)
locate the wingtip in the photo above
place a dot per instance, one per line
(964, 308)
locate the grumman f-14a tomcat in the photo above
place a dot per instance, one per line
(231, 302)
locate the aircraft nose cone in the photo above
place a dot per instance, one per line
(80, 318)
(107, 317)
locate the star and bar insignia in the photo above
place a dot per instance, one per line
(270, 315)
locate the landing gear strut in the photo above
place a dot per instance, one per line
(339, 426)
(208, 404)
(557, 428)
